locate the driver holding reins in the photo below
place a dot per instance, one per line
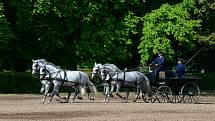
(158, 64)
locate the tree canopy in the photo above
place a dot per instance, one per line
(170, 30)
(124, 32)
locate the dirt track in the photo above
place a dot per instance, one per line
(28, 107)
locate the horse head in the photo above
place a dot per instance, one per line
(96, 69)
(105, 75)
(36, 65)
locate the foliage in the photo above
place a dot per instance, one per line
(73, 32)
(206, 11)
(168, 30)
(5, 36)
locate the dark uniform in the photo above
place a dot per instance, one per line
(159, 66)
(180, 69)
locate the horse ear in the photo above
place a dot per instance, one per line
(95, 63)
(33, 60)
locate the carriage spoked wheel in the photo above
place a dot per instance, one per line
(176, 98)
(190, 92)
(150, 98)
(164, 94)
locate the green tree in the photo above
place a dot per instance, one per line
(6, 35)
(205, 10)
(170, 30)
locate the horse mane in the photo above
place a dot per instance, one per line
(49, 63)
(112, 66)
(42, 60)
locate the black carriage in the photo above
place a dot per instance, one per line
(167, 89)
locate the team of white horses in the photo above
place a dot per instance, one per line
(112, 78)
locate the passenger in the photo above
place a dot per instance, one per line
(158, 64)
(180, 69)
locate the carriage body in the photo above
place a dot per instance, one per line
(167, 89)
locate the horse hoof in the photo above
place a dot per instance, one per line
(134, 100)
(124, 101)
(80, 98)
(67, 101)
(64, 98)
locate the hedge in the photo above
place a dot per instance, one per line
(15, 82)
(207, 81)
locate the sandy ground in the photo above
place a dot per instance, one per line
(28, 107)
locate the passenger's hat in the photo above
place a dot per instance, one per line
(160, 53)
(179, 59)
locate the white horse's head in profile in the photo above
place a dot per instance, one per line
(36, 65)
(96, 69)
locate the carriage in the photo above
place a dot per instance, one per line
(173, 90)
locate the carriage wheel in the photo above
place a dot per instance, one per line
(164, 94)
(176, 98)
(150, 98)
(190, 92)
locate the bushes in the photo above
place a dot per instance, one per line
(13, 82)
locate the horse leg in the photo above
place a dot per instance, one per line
(127, 94)
(55, 91)
(76, 94)
(107, 94)
(117, 91)
(137, 95)
(58, 95)
(104, 90)
(47, 86)
(111, 91)
(67, 99)
(42, 89)
(80, 96)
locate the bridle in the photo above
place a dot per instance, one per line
(96, 70)
(47, 72)
(36, 68)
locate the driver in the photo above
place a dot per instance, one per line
(158, 64)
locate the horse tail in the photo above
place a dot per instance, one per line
(147, 85)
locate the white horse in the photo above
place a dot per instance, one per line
(108, 84)
(44, 79)
(72, 79)
(133, 79)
